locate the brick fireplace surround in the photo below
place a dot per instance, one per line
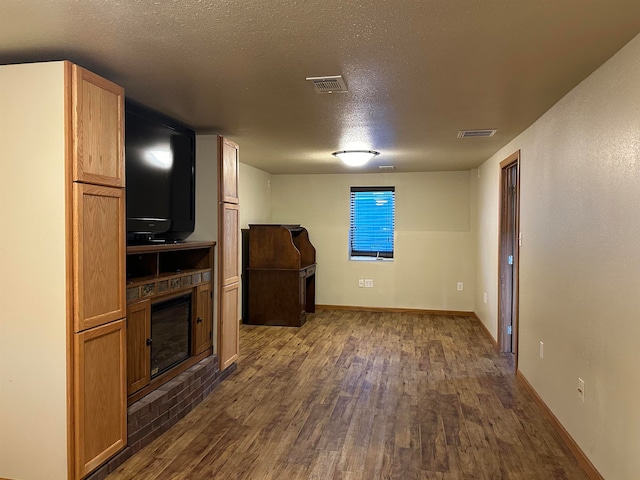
(154, 414)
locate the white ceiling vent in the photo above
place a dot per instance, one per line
(330, 84)
(476, 133)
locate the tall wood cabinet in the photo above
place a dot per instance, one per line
(63, 168)
(228, 253)
(98, 258)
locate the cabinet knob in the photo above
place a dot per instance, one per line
(149, 342)
(198, 320)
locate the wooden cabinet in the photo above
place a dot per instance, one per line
(282, 267)
(66, 145)
(203, 327)
(99, 255)
(100, 393)
(138, 347)
(98, 133)
(228, 253)
(98, 252)
(157, 275)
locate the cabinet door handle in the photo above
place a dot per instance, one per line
(198, 320)
(149, 342)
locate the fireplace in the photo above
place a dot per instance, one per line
(170, 333)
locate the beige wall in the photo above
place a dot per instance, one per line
(206, 229)
(33, 429)
(434, 243)
(206, 189)
(255, 196)
(580, 260)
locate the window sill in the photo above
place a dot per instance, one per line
(370, 259)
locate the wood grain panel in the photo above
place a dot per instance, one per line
(204, 319)
(138, 352)
(277, 297)
(229, 168)
(98, 120)
(99, 255)
(229, 335)
(100, 395)
(228, 253)
(229, 248)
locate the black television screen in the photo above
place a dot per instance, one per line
(160, 176)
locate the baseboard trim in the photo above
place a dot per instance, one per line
(395, 310)
(486, 330)
(582, 459)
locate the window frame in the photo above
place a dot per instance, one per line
(368, 255)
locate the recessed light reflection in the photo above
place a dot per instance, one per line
(160, 158)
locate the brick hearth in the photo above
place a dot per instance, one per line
(154, 414)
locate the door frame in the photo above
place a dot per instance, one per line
(513, 159)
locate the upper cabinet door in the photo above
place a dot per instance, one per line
(229, 165)
(98, 129)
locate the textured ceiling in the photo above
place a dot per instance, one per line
(417, 70)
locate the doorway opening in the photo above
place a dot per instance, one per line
(509, 255)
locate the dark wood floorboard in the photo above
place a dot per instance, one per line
(363, 395)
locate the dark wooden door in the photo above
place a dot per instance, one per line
(509, 254)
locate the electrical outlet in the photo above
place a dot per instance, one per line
(361, 283)
(484, 297)
(460, 286)
(541, 349)
(368, 283)
(581, 389)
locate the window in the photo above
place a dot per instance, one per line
(372, 222)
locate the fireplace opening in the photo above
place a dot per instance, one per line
(170, 333)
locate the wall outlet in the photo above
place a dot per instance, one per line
(368, 283)
(581, 389)
(361, 283)
(460, 286)
(484, 297)
(541, 349)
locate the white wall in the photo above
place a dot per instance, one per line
(580, 260)
(434, 243)
(33, 362)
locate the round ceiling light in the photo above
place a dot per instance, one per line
(355, 158)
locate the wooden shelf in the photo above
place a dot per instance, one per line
(154, 270)
(166, 247)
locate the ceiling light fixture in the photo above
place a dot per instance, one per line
(355, 158)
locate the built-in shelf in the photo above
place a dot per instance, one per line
(157, 274)
(154, 270)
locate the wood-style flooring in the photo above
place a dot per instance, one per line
(363, 395)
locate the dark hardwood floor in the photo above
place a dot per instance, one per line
(360, 395)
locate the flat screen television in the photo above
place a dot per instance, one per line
(160, 177)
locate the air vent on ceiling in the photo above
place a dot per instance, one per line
(330, 84)
(476, 133)
(386, 167)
